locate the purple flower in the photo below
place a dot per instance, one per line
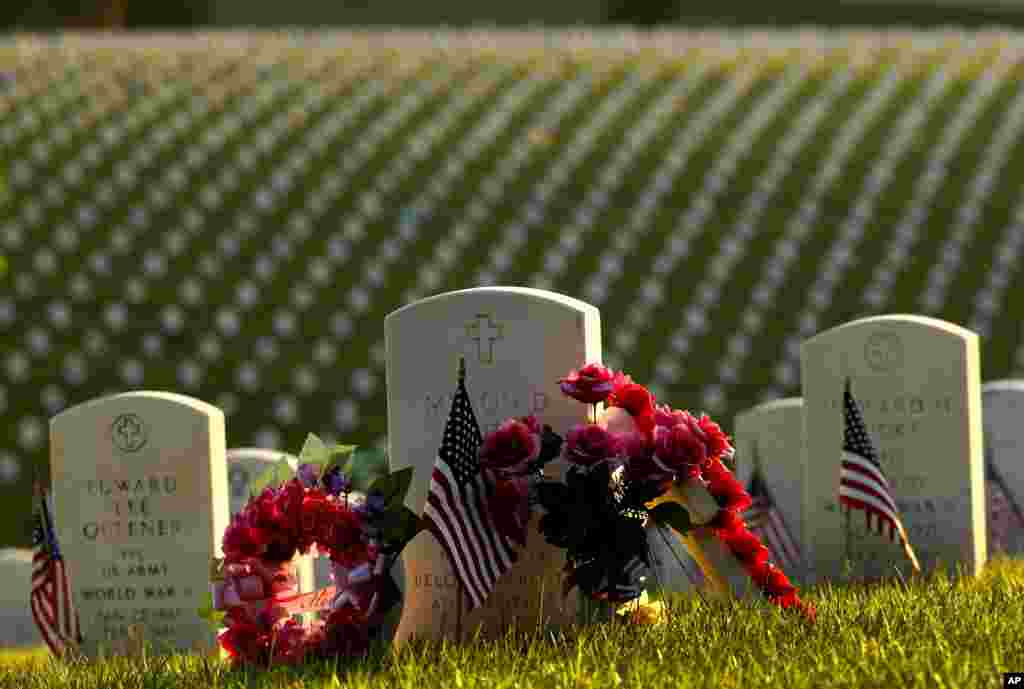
(336, 482)
(309, 474)
(373, 505)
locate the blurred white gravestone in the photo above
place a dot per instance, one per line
(1003, 401)
(17, 628)
(245, 465)
(917, 380)
(517, 343)
(770, 436)
(140, 504)
(673, 569)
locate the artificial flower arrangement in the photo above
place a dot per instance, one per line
(633, 462)
(254, 591)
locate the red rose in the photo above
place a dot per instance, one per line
(314, 508)
(289, 646)
(241, 540)
(244, 642)
(510, 508)
(510, 448)
(678, 447)
(345, 633)
(665, 415)
(533, 424)
(716, 440)
(590, 385)
(638, 401)
(588, 444)
(645, 468)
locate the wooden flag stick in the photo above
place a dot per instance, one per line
(909, 550)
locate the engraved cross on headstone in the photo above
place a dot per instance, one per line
(130, 435)
(480, 329)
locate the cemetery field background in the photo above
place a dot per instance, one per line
(231, 216)
(938, 633)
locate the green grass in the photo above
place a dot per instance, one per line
(932, 633)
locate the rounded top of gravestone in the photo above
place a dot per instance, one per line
(897, 320)
(184, 400)
(263, 454)
(531, 292)
(773, 405)
(15, 555)
(1009, 385)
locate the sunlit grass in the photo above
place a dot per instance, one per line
(933, 632)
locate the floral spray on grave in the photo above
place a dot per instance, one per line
(254, 593)
(635, 461)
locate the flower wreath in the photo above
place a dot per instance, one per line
(625, 464)
(256, 590)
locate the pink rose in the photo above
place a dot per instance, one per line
(634, 444)
(590, 385)
(511, 447)
(589, 444)
(678, 447)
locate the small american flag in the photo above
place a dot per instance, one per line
(458, 511)
(50, 600)
(862, 484)
(766, 522)
(1004, 514)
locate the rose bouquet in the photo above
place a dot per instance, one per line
(634, 462)
(256, 590)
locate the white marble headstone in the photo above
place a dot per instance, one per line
(917, 380)
(1003, 401)
(517, 343)
(17, 628)
(245, 465)
(770, 436)
(140, 504)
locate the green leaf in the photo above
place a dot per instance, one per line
(398, 525)
(339, 456)
(366, 466)
(215, 618)
(393, 487)
(314, 451)
(278, 473)
(674, 515)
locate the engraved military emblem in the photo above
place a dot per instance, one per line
(129, 433)
(883, 352)
(484, 332)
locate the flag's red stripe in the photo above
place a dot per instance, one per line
(443, 530)
(786, 537)
(857, 504)
(44, 627)
(852, 460)
(461, 511)
(854, 467)
(444, 503)
(440, 533)
(469, 499)
(69, 612)
(853, 482)
(501, 551)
